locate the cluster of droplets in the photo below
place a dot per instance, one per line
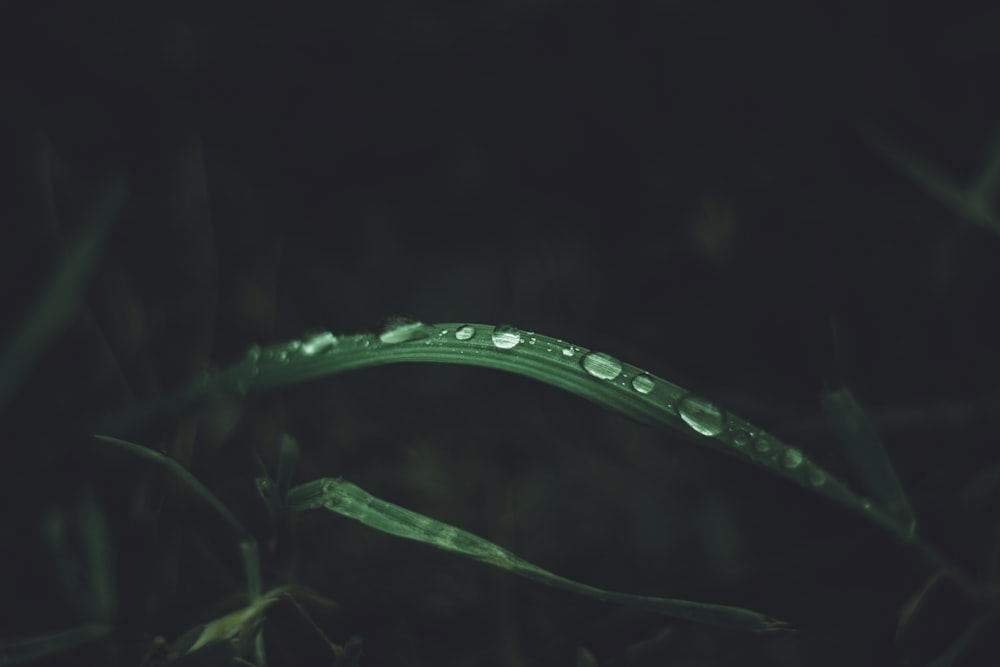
(770, 452)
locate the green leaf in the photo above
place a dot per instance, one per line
(352, 501)
(596, 376)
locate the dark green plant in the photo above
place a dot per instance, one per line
(596, 376)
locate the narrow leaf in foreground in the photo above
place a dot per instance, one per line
(352, 501)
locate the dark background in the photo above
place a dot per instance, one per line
(683, 184)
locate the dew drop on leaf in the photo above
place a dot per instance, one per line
(817, 477)
(601, 365)
(319, 342)
(403, 331)
(742, 437)
(793, 458)
(762, 445)
(465, 332)
(643, 384)
(505, 336)
(701, 415)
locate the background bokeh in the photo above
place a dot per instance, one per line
(686, 185)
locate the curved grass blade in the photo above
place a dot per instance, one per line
(352, 501)
(595, 376)
(247, 544)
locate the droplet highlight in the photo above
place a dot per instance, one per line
(701, 415)
(600, 365)
(643, 384)
(465, 332)
(402, 332)
(816, 477)
(742, 437)
(505, 337)
(793, 458)
(317, 343)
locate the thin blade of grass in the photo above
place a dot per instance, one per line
(352, 501)
(246, 543)
(79, 543)
(867, 454)
(592, 375)
(970, 203)
(18, 650)
(62, 298)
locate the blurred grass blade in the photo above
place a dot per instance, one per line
(288, 457)
(963, 651)
(986, 186)
(351, 652)
(585, 658)
(20, 650)
(79, 545)
(354, 502)
(62, 298)
(971, 203)
(247, 544)
(866, 452)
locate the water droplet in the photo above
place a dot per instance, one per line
(403, 331)
(793, 458)
(762, 445)
(568, 352)
(817, 477)
(506, 336)
(742, 437)
(702, 415)
(643, 384)
(253, 353)
(320, 341)
(601, 365)
(465, 332)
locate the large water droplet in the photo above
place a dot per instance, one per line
(817, 477)
(465, 332)
(702, 415)
(643, 384)
(403, 331)
(505, 336)
(793, 458)
(319, 342)
(601, 365)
